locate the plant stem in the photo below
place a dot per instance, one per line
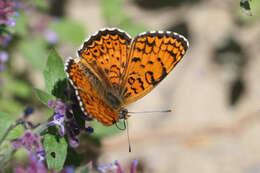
(13, 125)
(40, 128)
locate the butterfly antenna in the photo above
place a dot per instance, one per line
(128, 137)
(143, 112)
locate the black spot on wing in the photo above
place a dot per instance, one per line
(131, 80)
(135, 59)
(134, 89)
(141, 83)
(149, 77)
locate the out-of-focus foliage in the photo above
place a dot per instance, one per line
(115, 15)
(34, 47)
(65, 26)
(245, 6)
(249, 11)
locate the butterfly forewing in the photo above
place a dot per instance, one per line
(152, 56)
(106, 53)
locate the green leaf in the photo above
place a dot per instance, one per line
(34, 51)
(69, 31)
(56, 151)
(43, 96)
(101, 131)
(54, 74)
(5, 121)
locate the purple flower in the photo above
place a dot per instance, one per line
(29, 141)
(66, 121)
(19, 170)
(60, 107)
(68, 170)
(119, 169)
(51, 103)
(73, 131)
(74, 142)
(133, 166)
(41, 154)
(3, 56)
(59, 115)
(34, 166)
(7, 10)
(18, 143)
(102, 168)
(11, 22)
(3, 59)
(5, 39)
(116, 168)
(58, 120)
(50, 36)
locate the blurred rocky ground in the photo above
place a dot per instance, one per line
(214, 91)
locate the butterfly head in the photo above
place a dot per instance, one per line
(123, 114)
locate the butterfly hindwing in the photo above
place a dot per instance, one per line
(90, 101)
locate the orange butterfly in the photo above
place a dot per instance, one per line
(113, 70)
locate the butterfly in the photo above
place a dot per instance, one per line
(112, 70)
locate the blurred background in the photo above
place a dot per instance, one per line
(214, 91)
